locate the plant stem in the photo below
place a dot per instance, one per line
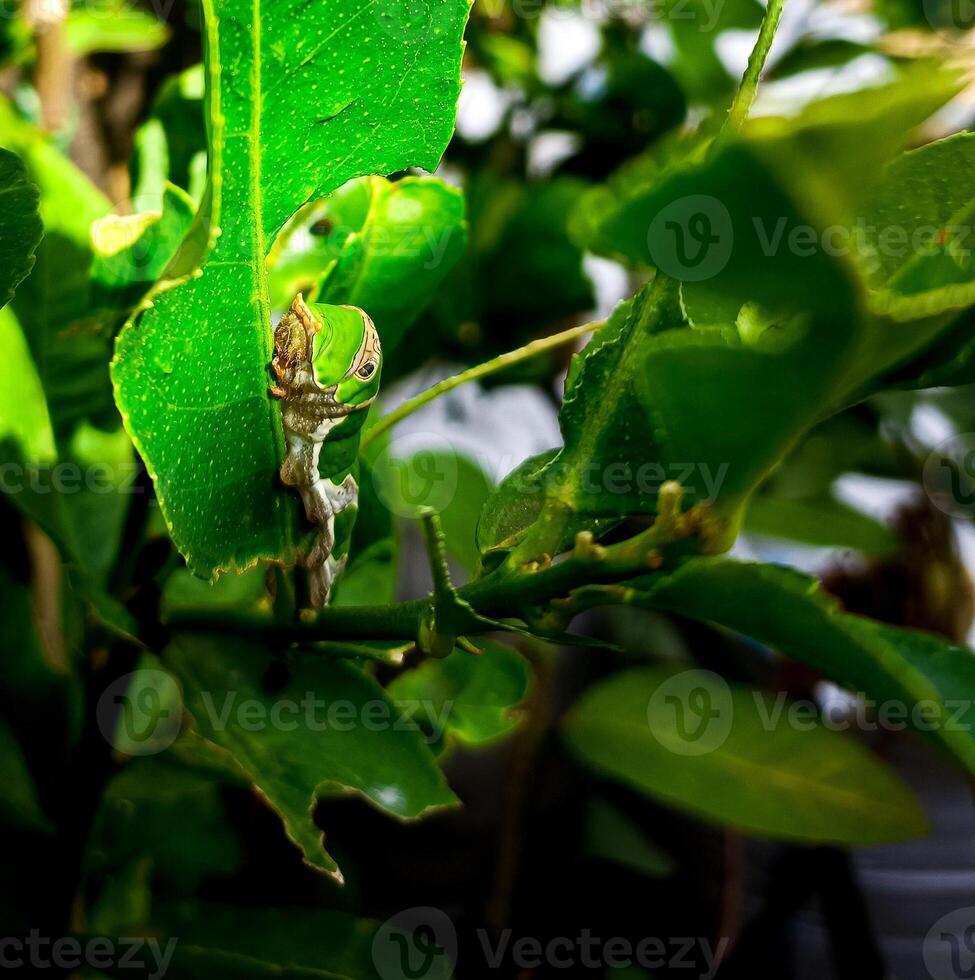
(496, 364)
(501, 594)
(745, 95)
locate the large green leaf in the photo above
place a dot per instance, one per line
(20, 224)
(298, 103)
(772, 333)
(330, 731)
(762, 218)
(720, 751)
(787, 610)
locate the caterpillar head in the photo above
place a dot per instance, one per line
(341, 345)
(347, 356)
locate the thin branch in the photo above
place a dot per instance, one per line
(53, 62)
(745, 95)
(502, 592)
(499, 363)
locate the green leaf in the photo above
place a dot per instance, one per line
(820, 521)
(79, 496)
(330, 731)
(223, 942)
(779, 337)
(20, 224)
(385, 247)
(133, 250)
(23, 408)
(918, 240)
(786, 610)
(516, 504)
(695, 26)
(605, 423)
(757, 220)
(740, 764)
(450, 483)
(114, 26)
(171, 142)
(298, 104)
(168, 814)
(20, 804)
(612, 836)
(96, 509)
(54, 300)
(477, 695)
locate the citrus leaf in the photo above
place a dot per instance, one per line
(54, 300)
(787, 610)
(298, 103)
(23, 408)
(20, 224)
(330, 731)
(475, 694)
(741, 764)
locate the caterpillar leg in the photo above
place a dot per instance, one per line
(300, 466)
(343, 495)
(328, 500)
(322, 577)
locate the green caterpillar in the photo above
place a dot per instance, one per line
(327, 360)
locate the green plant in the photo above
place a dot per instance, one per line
(772, 309)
